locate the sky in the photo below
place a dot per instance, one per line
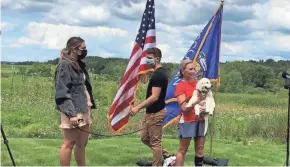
(36, 30)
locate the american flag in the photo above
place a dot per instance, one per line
(118, 115)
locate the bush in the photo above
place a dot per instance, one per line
(40, 70)
(232, 82)
(255, 90)
(5, 75)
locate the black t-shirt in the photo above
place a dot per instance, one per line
(158, 79)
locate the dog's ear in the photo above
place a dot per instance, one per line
(198, 85)
(202, 82)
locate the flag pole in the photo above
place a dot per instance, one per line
(211, 129)
(215, 90)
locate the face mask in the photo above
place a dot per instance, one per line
(150, 62)
(83, 54)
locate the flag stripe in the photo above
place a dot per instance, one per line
(125, 111)
(133, 65)
(125, 81)
(128, 94)
(123, 99)
(134, 56)
(149, 45)
(125, 87)
(143, 61)
(135, 49)
(150, 39)
(121, 123)
(151, 32)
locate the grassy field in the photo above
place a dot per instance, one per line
(126, 151)
(28, 110)
(248, 129)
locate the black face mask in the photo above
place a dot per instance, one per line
(84, 54)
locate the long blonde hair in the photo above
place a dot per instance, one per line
(67, 53)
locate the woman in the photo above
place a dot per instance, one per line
(190, 126)
(74, 100)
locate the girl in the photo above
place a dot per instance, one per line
(74, 100)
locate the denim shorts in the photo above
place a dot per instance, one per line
(191, 129)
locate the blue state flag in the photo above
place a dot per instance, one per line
(204, 52)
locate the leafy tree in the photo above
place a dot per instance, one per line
(248, 76)
(232, 82)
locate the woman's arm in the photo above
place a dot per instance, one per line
(183, 102)
(63, 84)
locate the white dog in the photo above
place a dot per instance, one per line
(203, 86)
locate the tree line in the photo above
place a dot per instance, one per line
(236, 77)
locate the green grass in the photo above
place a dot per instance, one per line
(255, 125)
(266, 100)
(7, 70)
(28, 110)
(124, 151)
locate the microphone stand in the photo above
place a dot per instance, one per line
(6, 143)
(287, 86)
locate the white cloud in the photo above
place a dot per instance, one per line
(167, 54)
(241, 50)
(15, 46)
(166, 28)
(10, 43)
(106, 54)
(5, 2)
(182, 50)
(178, 36)
(178, 9)
(27, 5)
(54, 36)
(130, 45)
(5, 26)
(197, 28)
(272, 39)
(279, 41)
(250, 27)
(79, 13)
(261, 46)
(171, 12)
(232, 48)
(11, 46)
(92, 13)
(279, 13)
(14, 58)
(133, 11)
(27, 41)
(273, 14)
